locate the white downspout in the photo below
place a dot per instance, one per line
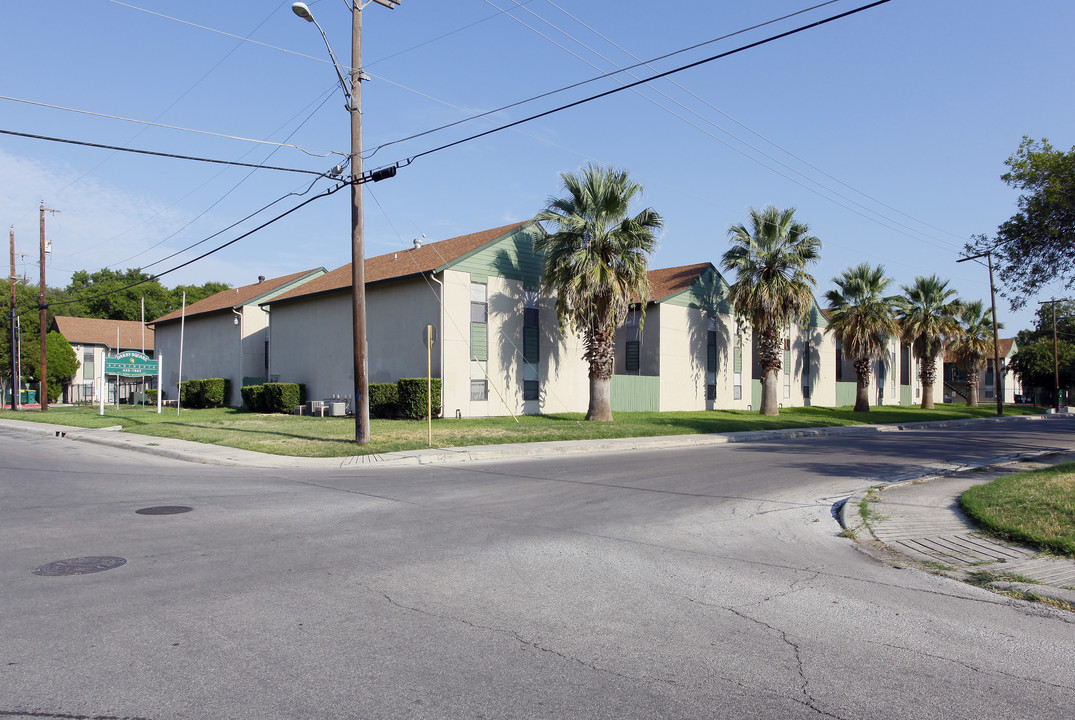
(239, 379)
(441, 331)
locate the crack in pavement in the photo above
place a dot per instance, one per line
(529, 643)
(974, 668)
(64, 716)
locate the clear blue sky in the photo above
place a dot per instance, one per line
(887, 131)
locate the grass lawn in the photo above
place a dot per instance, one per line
(334, 437)
(1037, 507)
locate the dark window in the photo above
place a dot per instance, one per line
(632, 356)
(839, 363)
(806, 392)
(530, 335)
(905, 365)
(531, 390)
(806, 359)
(479, 390)
(711, 392)
(711, 352)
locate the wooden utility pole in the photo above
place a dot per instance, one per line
(997, 385)
(42, 389)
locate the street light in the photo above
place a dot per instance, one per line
(358, 261)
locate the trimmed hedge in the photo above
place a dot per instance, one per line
(384, 400)
(253, 398)
(282, 397)
(151, 397)
(204, 393)
(412, 397)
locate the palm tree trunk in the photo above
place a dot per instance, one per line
(770, 357)
(929, 376)
(862, 386)
(973, 378)
(601, 354)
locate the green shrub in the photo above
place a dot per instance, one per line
(253, 398)
(282, 397)
(412, 397)
(204, 393)
(151, 397)
(384, 400)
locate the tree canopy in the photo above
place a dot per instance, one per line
(1035, 245)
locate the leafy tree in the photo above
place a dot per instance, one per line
(112, 295)
(973, 347)
(1034, 361)
(862, 321)
(772, 286)
(26, 297)
(596, 259)
(927, 317)
(1036, 244)
(62, 363)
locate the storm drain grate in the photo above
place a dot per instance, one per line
(80, 566)
(164, 510)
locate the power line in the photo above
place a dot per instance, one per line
(599, 77)
(204, 255)
(652, 78)
(168, 127)
(162, 154)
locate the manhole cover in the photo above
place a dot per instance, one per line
(80, 566)
(164, 510)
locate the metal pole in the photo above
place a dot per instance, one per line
(14, 363)
(996, 342)
(1056, 360)
(429, 382)
(43, 375)
(358, 261)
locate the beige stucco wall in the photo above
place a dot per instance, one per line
(683, 336)
(562, 374)
(211, 349)
(311, 339)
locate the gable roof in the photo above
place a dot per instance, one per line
(94, 331)
(237, 297)
(428, 257)
(1004, 345)
(666, 282)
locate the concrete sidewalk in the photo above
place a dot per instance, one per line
(921, 520)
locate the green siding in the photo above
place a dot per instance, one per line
(511, 257)
(845, 393)
(636, 393)
(815, 318)
(905, 395)
(479, 341)
(755, 394)
(707, 292)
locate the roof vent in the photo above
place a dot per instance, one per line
(417, 243)
(261, 279)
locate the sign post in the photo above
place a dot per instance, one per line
(129, 364)
(430, 338)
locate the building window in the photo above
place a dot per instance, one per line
(839, 362)
(87, 363)
(479, 318)
(806, 360)
(711, 392)
(530, 335)
(479, 390)
(632, 356)
(787, 369)
(905, 365)
(737, 373)
(711, 352)
(531, 390)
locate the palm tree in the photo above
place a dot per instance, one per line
(974, 345)
(927, 321)
(861, 319)
(596, 258)
(772, 286)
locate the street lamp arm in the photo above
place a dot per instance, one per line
(303, 12)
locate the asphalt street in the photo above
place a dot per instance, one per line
(687, 583)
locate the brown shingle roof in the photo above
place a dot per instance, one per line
(233, 298)
(92, 331)
(404, 263)
(666, 282)
(1003, 344)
